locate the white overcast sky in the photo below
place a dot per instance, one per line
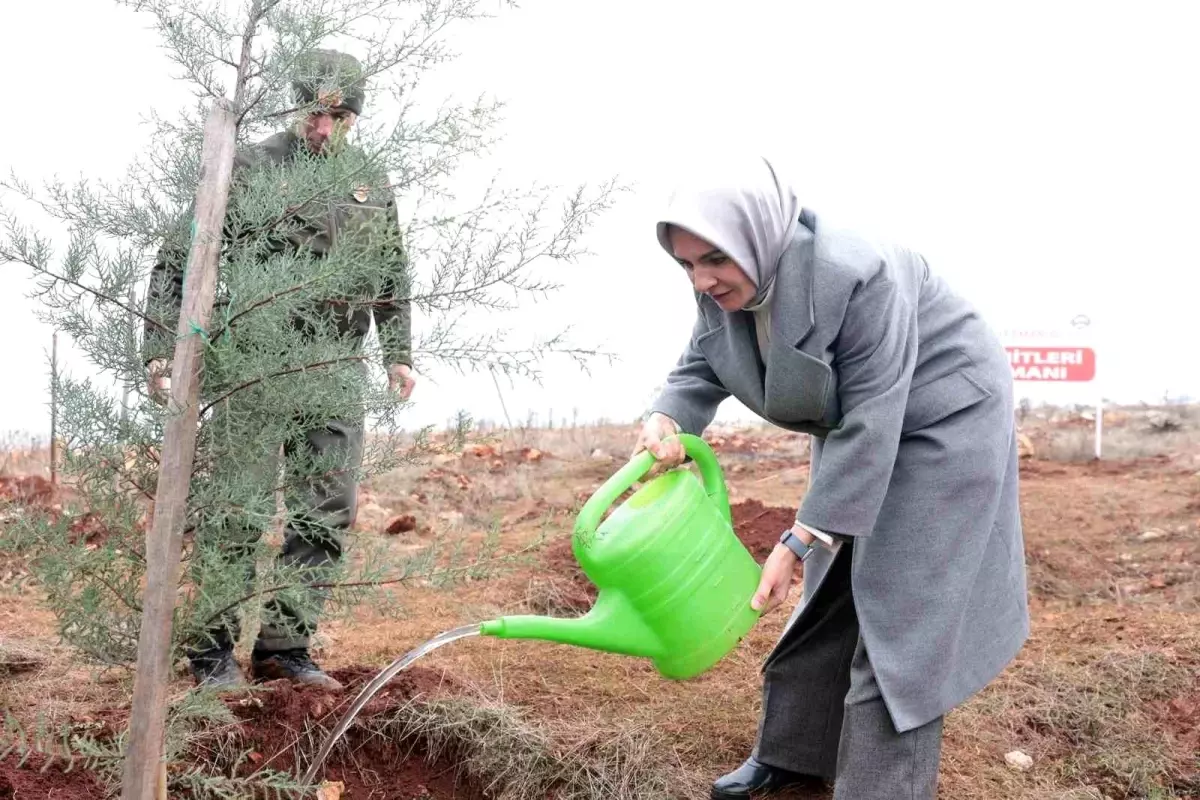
(1043, 155)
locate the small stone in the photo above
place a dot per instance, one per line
(600, 455)
(330, 790)
(1152, 534)
(1018, 760)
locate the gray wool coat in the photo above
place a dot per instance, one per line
(907, 394)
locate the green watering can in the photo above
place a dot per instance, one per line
(674, 581)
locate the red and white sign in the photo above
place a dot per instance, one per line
(1063, 364)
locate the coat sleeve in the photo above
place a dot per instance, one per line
(164, 295)
(392, 309)
(693, 392)
(874, 357)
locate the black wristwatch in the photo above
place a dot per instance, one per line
(794, 544)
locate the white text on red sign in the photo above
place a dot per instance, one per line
(1068, 364)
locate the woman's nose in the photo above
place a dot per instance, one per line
(703, 280)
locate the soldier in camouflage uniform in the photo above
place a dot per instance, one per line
(279, 651)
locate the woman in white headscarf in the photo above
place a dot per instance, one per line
(909, 533)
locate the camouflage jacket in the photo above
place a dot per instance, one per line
(318, 226)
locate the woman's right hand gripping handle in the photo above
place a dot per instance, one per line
(659, 435)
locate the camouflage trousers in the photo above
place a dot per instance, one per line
(321, 506)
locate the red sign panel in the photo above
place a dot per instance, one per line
(1069, 364)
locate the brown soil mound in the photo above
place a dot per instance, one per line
(30, 781)
(274, 722)
(30, 490)
(759, 526)
(756, 525)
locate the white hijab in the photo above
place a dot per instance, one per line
(744, 207)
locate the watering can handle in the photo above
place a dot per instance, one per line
(710, 475)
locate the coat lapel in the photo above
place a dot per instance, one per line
(730, 348)
(792, 310)
(796, 383)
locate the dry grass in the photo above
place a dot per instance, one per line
(500, 748)
(555, 598)
(1088, 708)
(50, 689)
(17, 656)
(1127, 432)
(1121, 443)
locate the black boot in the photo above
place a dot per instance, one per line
(295, 665)
(753, 778)
(216, 669)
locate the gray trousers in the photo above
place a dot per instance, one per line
(823, 713)
(321, 508)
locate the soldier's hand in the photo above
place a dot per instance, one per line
(159, 382)
(401, 380)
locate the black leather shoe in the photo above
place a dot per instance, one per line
(753, 778)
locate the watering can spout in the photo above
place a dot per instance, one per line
(612, 625)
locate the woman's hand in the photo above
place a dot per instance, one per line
(657, 436)
(776, 579)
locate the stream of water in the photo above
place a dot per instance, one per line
(378, 683)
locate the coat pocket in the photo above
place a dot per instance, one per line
(934, 401)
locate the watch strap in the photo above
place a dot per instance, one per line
(793, 543)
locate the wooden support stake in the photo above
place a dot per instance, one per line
(54, 409)
(142, 765)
